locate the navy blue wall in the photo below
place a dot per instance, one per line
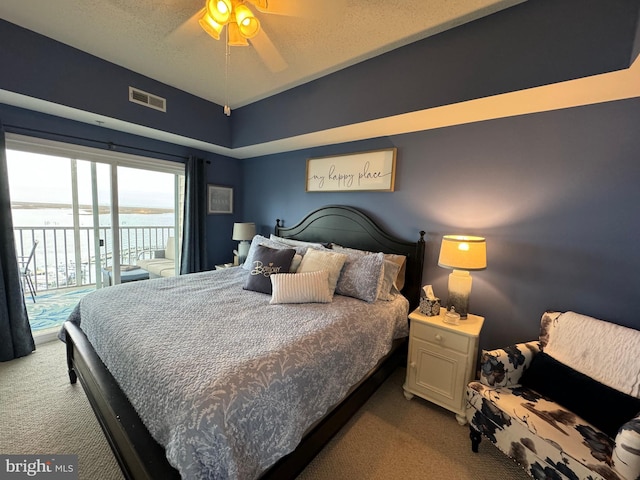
(535, 43)
(555, 194)
(38, 67)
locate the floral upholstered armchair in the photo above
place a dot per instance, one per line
(566, 406)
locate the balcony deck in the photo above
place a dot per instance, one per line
(52, 308)
(66, 256)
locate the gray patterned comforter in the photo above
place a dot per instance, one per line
(225, 381)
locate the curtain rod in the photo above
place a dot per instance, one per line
(109, 145)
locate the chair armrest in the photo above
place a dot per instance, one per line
(504, 367)
(626, 453)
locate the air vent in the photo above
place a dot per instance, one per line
(147, 99)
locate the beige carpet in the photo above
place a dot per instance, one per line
(389, 438)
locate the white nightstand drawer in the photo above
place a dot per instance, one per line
(440, 337)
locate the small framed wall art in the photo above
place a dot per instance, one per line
(365, 171)
(219, 199)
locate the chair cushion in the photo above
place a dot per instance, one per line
(602, 406)
(601, 350)
(541, 435)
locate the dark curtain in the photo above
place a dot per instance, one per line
(15, 333)
(194, 232)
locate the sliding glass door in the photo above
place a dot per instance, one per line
(92, 215)
(148, 216)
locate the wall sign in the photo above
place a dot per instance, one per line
(365, 171)
(219, 199)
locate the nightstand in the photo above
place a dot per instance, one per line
(442, 360)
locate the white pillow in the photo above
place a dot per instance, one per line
(388, 289)
(315, 260)
(310, 287)
(295, 263)
(401, 261)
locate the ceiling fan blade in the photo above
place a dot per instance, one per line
(268, 52)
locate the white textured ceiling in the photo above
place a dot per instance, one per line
(162, 39)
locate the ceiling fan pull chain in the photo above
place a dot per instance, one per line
(227, 62)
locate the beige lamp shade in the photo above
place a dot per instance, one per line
(243, 231)
(461, 252)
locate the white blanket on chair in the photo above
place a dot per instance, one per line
(604, 351)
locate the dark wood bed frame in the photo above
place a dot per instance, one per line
(141, 457)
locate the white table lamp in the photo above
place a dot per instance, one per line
(243, 232)
(462, 253)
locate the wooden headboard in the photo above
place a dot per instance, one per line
(349, 227)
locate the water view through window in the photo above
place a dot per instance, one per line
(64, 206)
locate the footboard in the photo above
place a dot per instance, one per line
(137, 454)
(141, 457)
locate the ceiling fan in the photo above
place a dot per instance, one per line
(243, 27)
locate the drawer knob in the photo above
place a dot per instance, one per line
(413, 365)
(438, 337)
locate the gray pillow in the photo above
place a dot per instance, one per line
(266, 262)
(361, 276)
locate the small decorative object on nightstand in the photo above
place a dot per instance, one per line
(442, 360)
(429, 303)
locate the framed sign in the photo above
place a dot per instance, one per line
(219, 199)
(365, 171)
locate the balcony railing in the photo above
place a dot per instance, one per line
(61, 249)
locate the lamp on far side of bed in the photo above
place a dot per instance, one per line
(243, 232)
(462, 253)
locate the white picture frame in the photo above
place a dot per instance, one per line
(219, 199)
(374, 170)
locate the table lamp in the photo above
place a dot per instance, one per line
(243, 232)
(462, 253)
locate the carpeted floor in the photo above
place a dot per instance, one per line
(389, 438)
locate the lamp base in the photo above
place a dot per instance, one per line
(459, 290)
(243, 251)
(461, 304)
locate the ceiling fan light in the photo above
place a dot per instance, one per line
(247, 22)
(210, 26)
(235, 36)
(219, 10)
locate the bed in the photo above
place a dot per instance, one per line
(317, 419)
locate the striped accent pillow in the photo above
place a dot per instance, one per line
(310, 287)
